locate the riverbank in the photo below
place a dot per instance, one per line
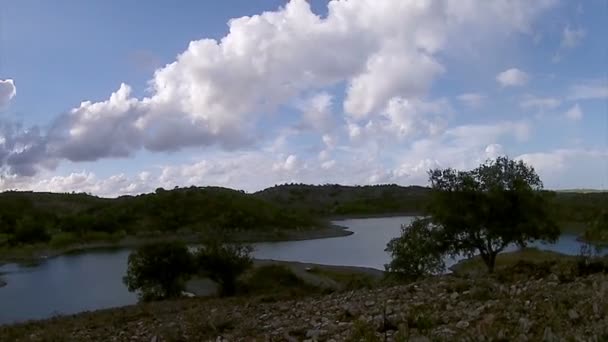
(327, 277)
(37, 253)
(442, 308)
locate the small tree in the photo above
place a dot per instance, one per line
(224, 263)
(598, 228)
(159, 270)
(416, 252)
(484, 210)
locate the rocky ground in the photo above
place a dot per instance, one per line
(547, 307)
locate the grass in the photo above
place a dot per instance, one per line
(275, 282)
(504, 260)
(349, 280)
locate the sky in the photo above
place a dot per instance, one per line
(122, 97)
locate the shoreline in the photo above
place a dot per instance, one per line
(370, 216)
(330, 231)
(205, 290)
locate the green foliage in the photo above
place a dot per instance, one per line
(484, 210)
(63, 240)
(416, 252)
(194, 210)
(29, 230)
(598, 229)
(223, 263)
(159, 270)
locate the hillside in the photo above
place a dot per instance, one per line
(40, 220)
(334, 199)
(443, 308)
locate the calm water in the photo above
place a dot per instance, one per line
(73, 283)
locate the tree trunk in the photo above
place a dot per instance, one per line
(491, 262)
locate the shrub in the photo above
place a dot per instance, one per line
(223, 263)
(416, 252)
(63, 240)
(159, 270)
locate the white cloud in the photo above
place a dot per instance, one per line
(512, 77)
(317, 113)
(215, 91)
(7, 91)
(590, 90)
(289, 164)
(572, 37)
(575, 113)
(494, 151)
(571, 168)
(539, 103)
(215, 94)
(472, 100)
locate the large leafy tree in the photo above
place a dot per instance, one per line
(484, 210)
(159, 270)
(417, 252)
(223, 263)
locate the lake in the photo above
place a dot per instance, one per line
(92, 280)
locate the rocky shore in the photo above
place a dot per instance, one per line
(445, 308)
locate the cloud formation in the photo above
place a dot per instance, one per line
(472, 100)
(575, 113)
(7, 92)
(385, 54)
(512, 78)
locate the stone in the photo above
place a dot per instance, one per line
(370, 303)
(313, 334)
(524, 324)
(573, 315)
(462, 325)
(548, 335)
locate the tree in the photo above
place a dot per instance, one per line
(598, 228)
(30, 230)
(159, 270)
(223, 263)
(484, 210)
(416, 252)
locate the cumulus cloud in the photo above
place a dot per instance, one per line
(472, 100)
(575, 113)
(215, 93)
(7, 91)
(317, 113)
(512, 78)
(571, 168)
(23, 151)
(215, 90)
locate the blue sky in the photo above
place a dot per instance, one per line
(354, 92)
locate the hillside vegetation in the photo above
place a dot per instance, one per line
(29, 220)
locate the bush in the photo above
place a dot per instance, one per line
(416, 252)
(63, 240)
(159, 270)
(29, 230)
(223, 263)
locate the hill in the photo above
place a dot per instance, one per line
(334, 199)
(40, 220)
